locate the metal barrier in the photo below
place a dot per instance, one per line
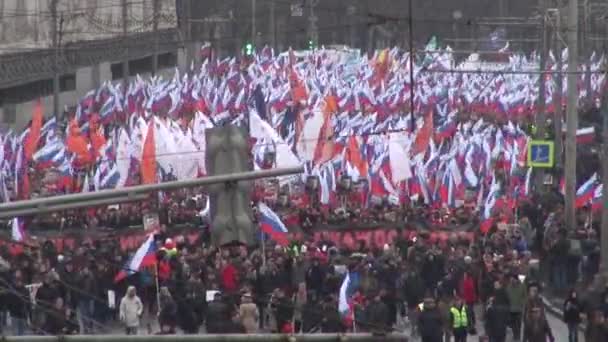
(215, 338)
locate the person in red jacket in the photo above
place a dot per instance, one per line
(229, 277)
(468, 293)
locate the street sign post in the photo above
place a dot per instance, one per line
(540, 154)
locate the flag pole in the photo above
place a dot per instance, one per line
(354, 321)
(157, 287)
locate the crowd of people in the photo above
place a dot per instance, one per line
(438, 289)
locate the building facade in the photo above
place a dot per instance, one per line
(81, 43)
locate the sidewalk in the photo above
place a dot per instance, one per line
(554, 307)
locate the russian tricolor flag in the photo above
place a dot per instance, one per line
(349, 286)
(597, 198)
(144, 257)
(18, 230)
(584, 194)
(272, 225)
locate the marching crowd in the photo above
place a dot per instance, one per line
(440, 289)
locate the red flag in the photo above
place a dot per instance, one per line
(32, 139)
(423, 138)
(148, 158)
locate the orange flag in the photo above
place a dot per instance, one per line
(324, 150)
(354, 156)
(77, 144)
(97, 138)
(148, 158)
(423, 138)
(32, 139)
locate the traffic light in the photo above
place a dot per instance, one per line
(230, 203)
(312, 45)
(248, 49)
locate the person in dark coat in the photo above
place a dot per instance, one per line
(18, 304)
(572, 315)
(168, 309)
(283, 310)
(537, 328)
(218, 314)
(312, 318)
(331, 321)
(377, 314)
(430, 322)
(496, 320)
(188, 317)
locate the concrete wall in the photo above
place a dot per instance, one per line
(86, 79)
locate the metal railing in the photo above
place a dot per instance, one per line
(215, 338)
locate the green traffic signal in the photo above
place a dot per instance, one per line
(249, 49)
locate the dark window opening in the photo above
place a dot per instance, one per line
(27, 92)
(167, 60)
(67, 82)
(140, 66)
(117, 71)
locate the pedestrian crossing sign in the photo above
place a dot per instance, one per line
(541, 153)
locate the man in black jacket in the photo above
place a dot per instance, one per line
(18, 304)
(429, 321)
(218, 315)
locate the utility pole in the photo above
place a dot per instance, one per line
(155, 20)
(55, 35)
(312, 21)
(604, 226)
(125, 36)
(410, 24)
(557, 100)
(572, 113)
(541, 121)
(273, 25)
(254, 29)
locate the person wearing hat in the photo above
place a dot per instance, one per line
(459, 320)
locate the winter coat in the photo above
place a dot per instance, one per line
(377, 314)
(429, 325)
(249, 317)
(230, 278)
(15, 304)
(537, 331)
(517, 296)
(468, 290)
(572, 311)
(496, 320)
(188, 317)
(218, 314)
(131, 309)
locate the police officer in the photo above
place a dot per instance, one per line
(459, 320)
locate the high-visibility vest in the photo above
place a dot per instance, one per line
(460, 317)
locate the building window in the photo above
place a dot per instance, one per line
(117, 71)
(140, 66)
(27, 92)
(67, 82)
(167, 60)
